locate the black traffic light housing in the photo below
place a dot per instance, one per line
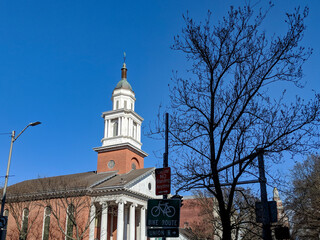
(178, 197)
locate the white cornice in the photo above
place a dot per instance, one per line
(123, 111)
(120, 147)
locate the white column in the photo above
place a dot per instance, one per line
(104, 222)
(132, 221)
(119, 125)
(128, 133)
(92, 222)
(130, 127)
(120, 219)
(143, 223)
(105, 128)
(109, 128)
(126, 226)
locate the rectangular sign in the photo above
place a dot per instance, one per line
(163, 181)
(163, 232)
(163, 213)
(273, 212)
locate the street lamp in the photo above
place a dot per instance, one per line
(13, 139)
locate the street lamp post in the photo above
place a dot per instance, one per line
(13, 139)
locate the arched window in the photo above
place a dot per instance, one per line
(135, 163)
(115, 127)
(24, 224)
(46, 223)
(70, 222)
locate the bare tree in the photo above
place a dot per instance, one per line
(304, 199)
(69, 209)
(60, 205)
(26, 216)
(243, 220)
(222, 114)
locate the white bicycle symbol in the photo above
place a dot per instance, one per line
(163, 208)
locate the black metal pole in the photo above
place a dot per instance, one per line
(266, 231)
(165, 155)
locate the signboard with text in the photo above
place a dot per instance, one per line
(163, 213)
(163, 232)
(163, 181)
(163, 218)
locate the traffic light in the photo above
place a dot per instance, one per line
(178, 197)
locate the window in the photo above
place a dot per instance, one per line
(115, 127)
(117, 104)
(133, 166)
(125, 104)
(46, 223)
(24, 225)
(70, 222)
(111, 164)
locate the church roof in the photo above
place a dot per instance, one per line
(72, 184)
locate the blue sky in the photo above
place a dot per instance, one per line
(60, 61)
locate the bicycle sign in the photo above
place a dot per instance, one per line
(163, 213)
(164, 209)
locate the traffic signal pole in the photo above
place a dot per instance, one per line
(266, 228)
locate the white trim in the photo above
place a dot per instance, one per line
(119, 147)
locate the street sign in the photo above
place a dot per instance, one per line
(3, 221)
(163, 213)
(163, 181)
(163, 232)
(273, 212)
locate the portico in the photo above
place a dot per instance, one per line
(121, 217)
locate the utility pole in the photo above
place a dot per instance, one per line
(266, 234)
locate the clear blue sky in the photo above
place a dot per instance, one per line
(60, 61)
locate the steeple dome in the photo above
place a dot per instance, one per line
(123, 83)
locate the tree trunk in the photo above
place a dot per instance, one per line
(226, 226)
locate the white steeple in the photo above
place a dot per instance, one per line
(122, 124)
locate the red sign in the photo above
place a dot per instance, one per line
(163, 181)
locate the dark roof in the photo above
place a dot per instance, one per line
(122, 180)
(79, 183)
